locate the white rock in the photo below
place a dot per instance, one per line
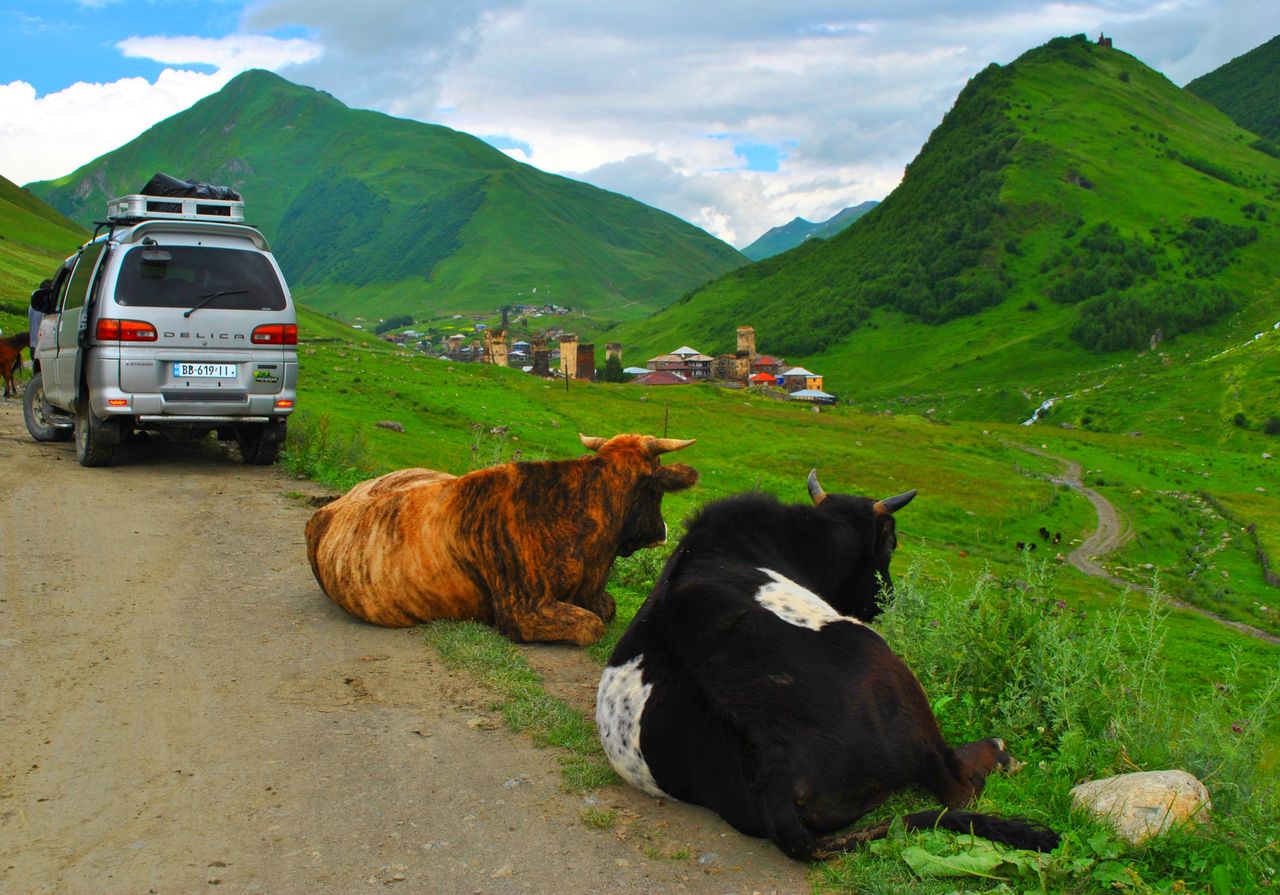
(1145, 804)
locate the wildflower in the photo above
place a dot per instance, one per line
(1237, 727)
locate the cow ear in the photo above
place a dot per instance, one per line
(676, 477)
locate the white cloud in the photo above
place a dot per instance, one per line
(648, 99)
(42, 137)
(235, 53)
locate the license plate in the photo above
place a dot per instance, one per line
(183, 370)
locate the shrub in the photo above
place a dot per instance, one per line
(1272, 425)
(1085, 694)
(313, 450)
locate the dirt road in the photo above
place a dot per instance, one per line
(182, 710)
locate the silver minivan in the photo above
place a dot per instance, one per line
(175, 319)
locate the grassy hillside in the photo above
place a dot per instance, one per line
(1072, 208)
(33, 239)
(1248, 89)
(790, 235)
(978, 617)
(378, 216)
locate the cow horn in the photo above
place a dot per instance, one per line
(815, 490)
(591, 442)
(891, 505)
(657, 446)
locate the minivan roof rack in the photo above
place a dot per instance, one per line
(137, 207)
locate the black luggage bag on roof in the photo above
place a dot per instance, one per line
(164, 185)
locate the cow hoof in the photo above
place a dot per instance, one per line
(1008, 763)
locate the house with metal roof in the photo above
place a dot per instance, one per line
(661, 377)
(812, 395)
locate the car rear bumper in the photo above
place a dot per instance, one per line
(118, 388)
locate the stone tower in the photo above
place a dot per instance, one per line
(569, 356)
(747, 341)
(541, 357)
(587, 361)
(612, 350)
(495, 347)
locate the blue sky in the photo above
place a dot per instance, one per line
(737, 115)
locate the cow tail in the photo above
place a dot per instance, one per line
(1017, 832)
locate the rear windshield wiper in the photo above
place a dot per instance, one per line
(210, 296)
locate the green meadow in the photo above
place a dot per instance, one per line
(980, 493)
(1062, 196)
(1005, 641)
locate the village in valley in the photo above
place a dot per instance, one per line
(557, 354)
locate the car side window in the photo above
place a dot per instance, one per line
(78, 283)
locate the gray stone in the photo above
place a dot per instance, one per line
(1145, 804)
(390, 424)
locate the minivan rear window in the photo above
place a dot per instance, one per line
(160, 276)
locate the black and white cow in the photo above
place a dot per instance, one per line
(749, 684)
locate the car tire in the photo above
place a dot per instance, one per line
(95, 440)
(35, 416)
(260, 444)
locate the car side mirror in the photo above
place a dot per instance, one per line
(43, 300)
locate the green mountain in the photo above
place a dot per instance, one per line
(1247, 89)
(374, 215)
(1072, 210)
(33, 239)
(788, 236)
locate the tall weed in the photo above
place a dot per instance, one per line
(1083, 695)
(315, 450)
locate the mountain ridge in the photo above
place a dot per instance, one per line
(789, 235)
(369, 213)
(1247, 89)
(1072, 210)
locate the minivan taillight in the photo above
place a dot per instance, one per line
(275, 334)
(113, 330)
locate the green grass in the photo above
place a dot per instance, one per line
(33, 240)
(1077, 695)
(979, 494)
(525, 705)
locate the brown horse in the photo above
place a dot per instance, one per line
(11, 359)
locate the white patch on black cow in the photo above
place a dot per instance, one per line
(797, 605)
(619, 705)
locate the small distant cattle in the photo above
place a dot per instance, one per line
(525, 547)
(11, 359)
(748, 683)
(1044, 533)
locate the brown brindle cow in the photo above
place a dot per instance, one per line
(525, 547)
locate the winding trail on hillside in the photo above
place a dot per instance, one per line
(1112, 533)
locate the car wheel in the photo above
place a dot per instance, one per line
(260, 445)
(34, 413)
(94, 442)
